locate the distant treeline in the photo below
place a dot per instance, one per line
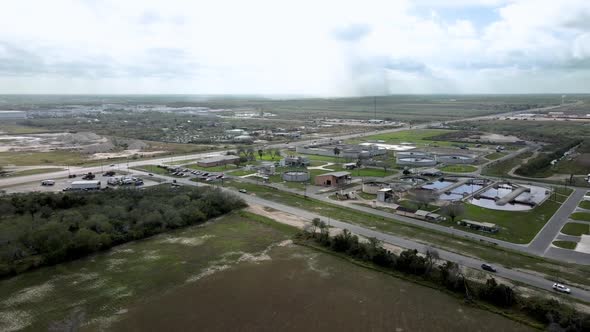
(47, 228)
(557, 316)
(544, 160)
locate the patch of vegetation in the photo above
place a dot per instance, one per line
(565, 244)
(539, 166)
(585, 205)
(458, 168)
(576, 229)
(47, 228)
(495, 155)
(446, 275)
(580, 216)
(420, 137)
(501, 168)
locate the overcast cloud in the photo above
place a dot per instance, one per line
(327, 48)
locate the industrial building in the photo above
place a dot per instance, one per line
(333, 179)
(294, 161)
(218, 161)
(12, 115)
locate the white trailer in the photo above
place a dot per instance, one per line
(85, 185)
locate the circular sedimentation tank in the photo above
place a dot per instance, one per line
(296, 176)
(454, 159)
(416, 161)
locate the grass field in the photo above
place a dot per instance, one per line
(581, 216)
(576, 229)
(495, 155)
(15, 129)
(105, 283)
(152, 169)
(34, 171)
(501, 169)
(458, 168)
(508, 258)
(585, 205)
(41, 158)
(418, 137)
(565, 244)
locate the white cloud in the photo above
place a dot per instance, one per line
(310, 47)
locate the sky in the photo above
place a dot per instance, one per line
(302, 47)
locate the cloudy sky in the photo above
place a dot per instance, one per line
(312, 47)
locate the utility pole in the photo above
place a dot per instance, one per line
(375, 107)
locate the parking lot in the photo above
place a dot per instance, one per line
(64, 183)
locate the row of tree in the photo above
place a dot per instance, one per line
(47, 228)
(543, 161)
(429, 267)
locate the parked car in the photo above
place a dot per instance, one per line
(488, 267)
(243, 191)
(561, 288)
(150, 174)
(72, 176)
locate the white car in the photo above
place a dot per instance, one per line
(561, 288)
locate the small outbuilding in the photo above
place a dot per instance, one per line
(333, 179)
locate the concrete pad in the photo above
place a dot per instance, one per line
(584, 244)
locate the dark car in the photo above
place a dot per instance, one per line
(488, 267)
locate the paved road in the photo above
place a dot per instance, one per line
(529, 279)
(542, 242)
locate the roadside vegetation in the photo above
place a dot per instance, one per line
(47, 228)
(565, 244)
(429, 269)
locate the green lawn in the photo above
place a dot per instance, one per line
(241, 172)
(581, 216)
(565, 244)
(34, 171)
(415, 136)
(459, 168)
(585, 205)
(515, 226)
(495, 155)
(575, 229)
